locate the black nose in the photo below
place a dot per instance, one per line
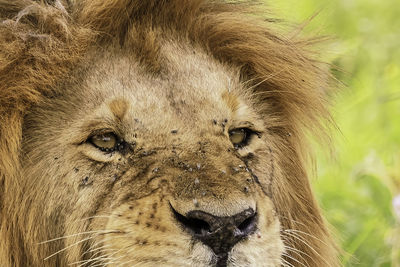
(219, 233)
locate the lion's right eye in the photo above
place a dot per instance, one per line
(105, 142)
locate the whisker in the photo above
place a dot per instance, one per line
(70, 246)
(290, 257)
(95, 261)
(307, 234)
(308, 245)
(104, 240)
(100, 248)
(291, 220)
(287, 263)
(100, 262)
(272, 75)
(298, 252)
(99, 242)
(94, 248)
(77, 234)
(245, 83)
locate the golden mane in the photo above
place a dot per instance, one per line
(42, 41)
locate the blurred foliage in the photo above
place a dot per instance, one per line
(356, 184)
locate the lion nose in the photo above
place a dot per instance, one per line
(219, 233)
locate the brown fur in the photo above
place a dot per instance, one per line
(47, 53)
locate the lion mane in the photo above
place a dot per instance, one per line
(45, 44)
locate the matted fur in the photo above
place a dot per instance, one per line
(44, 44)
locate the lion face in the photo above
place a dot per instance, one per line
(144, 133)
(172, 170)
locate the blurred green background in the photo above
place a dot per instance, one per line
(356, 185)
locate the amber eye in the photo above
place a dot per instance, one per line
(105, 141)
(240, 137)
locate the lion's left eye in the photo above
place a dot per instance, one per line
(105, 142)
(240, 137)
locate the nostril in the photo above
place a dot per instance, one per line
(219, 233)
(249, 225)
(197, 226)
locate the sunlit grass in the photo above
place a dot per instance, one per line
(357, 183)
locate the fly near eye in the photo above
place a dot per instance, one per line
(105, 142)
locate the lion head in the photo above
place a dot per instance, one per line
(144, 133)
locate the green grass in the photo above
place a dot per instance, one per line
(356, 185)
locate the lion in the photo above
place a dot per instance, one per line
(158, 133)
